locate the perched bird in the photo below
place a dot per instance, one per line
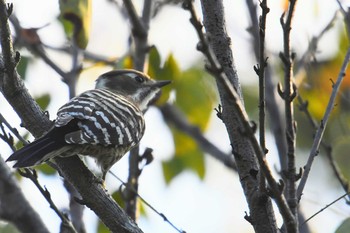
(104, 123)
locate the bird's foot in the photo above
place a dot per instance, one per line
(101, 181)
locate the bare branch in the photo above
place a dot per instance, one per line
(323, 124)
(328, 205)
(346, 15)
(260, 71)
(32, 175)
(14, 207)
(140, 26)
(289, 94)
(75, 209)
(238, 113)
(273, 106)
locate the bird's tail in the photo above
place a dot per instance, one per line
(34, 153)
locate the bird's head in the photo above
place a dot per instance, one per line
(133, 84)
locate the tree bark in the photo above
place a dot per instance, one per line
(262, 215)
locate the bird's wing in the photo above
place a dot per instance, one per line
(101, 120)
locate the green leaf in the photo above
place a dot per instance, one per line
(22, 66)
(101, 228)
(46, 169)
(8, 228)
(117, 196)
(341, 155)
(187, 156)
(154, 62)
(76, 19)
(344, 226)
(43, 101)
(195, 96)
(169, 71)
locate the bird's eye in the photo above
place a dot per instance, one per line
(139, 79)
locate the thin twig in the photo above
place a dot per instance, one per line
(321, 128)
(346, 15)
(32, 175)
(140, 36)
(131, 189)
(260, 71)
(12, 200)
(13, 130)
(312, 47)
(88, 56)
(328, 205)
(35, 47)
(273, 107)
(303, 107)
(288, 96)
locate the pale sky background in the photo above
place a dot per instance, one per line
(217, 203)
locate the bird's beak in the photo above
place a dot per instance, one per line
(161, 83)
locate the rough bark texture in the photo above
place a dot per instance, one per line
(261, 212)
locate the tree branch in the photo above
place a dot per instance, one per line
(288, 96)
(32, 175)
(273, 106)
(260, 71)
(93, 194)
(245, 147)
(14, 207)
(321, 128)
(140, 26)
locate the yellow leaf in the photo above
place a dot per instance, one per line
(76, 17)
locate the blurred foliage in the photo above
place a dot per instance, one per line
(22, 66)
(46, 169)
(43, 101)
(251, 101)
(341, 155)
(315, 87)
(344, 227)
(117, 196)
(101, 228)
(75, 16)
(195, 96)
(187, 156)
(169, 71)
(8, 228)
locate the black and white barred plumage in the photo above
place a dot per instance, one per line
(104, 123)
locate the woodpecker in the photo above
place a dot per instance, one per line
(104, 123)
